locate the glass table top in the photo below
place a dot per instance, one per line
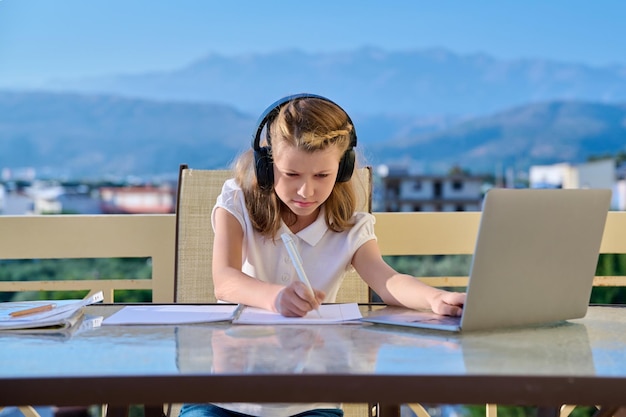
(592, 346)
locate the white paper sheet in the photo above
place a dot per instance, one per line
(171, 314)
(330, 314)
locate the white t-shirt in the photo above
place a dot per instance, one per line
(326, 257)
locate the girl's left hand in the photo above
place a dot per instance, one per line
(448, 303)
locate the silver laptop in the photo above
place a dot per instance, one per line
(535, 258)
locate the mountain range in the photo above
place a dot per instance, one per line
(369, 81)
(533, 134)
(433, 109)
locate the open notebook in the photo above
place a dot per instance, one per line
(535, 258)
(237, 314)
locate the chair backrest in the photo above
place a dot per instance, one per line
(197, 193)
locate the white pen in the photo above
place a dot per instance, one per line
(297, 262)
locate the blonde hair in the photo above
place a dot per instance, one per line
(309, 124)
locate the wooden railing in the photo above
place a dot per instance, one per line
(97, 236)
(153, 236)
(455, 233)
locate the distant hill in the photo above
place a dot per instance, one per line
(542, 133)
(370, 81)
(432, 107)
(72, 134)
(80, 135)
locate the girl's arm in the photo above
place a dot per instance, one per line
(234, 286)
(402, 289)
(230, 283)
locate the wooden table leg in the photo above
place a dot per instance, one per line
(388, 410)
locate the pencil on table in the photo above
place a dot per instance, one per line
(33, 310)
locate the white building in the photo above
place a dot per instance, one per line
(596, 174)
(401, 190)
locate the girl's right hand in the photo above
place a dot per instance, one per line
(295, 300)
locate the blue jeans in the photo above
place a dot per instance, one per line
(210, 410)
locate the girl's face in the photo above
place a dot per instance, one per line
(304, 180)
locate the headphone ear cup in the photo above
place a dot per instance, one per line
(346, 166)
(264, 168)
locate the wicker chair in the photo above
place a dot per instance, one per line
(197, 193)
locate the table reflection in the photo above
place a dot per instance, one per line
(562, 348)
(274, 349)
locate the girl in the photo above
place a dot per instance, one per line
(301, 183)
(291, 185)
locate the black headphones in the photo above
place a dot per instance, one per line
(264, 166)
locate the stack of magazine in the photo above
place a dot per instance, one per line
(47, 316)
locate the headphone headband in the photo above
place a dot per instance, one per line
(264, 166)
(273, 109)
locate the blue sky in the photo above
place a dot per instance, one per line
(46, 39)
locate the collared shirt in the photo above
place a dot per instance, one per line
(326, 255)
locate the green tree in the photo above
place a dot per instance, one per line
(75, 269)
